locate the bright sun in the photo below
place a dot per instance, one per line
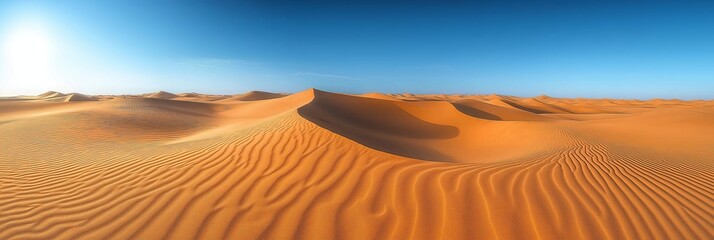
(28, 57)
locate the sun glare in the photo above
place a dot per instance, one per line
(28, 57)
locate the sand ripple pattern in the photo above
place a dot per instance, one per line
(287, 178)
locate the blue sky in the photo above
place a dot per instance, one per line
(526, 48)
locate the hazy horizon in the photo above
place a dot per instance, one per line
(345, 93)
(591, 50)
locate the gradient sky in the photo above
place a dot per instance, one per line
(563, 49)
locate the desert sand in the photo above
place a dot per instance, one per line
(321, 165)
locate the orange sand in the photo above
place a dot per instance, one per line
(319, 165)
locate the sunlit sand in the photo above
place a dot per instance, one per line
(321, 165)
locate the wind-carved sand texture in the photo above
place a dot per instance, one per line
(319, 165)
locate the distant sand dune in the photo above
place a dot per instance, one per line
(162, 95)
(255, 96)
(494, 112)
(51, 94)
(380, 96)
(320, 165)
(75, 97)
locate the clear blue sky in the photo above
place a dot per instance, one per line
(527, 48)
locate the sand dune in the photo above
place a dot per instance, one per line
(255, 96)
(380, 96)
(51, 94)
(75, 97)
(485, 110)
(162, 95)
(320, 165)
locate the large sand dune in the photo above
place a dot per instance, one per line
(320, 165)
